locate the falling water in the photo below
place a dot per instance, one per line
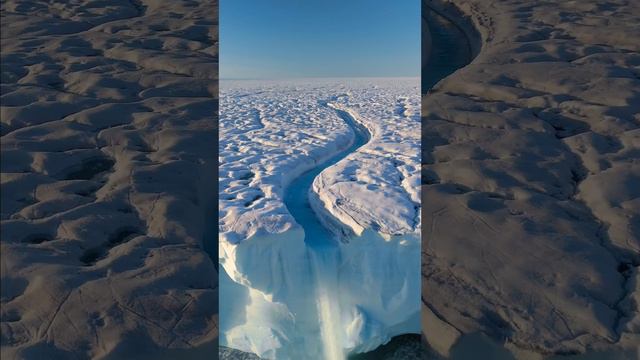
(325, 265)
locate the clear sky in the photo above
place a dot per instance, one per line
(270, 39)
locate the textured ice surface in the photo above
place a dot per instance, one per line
(108, 116)
(272, 132)
(532, 219)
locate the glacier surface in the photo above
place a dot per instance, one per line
(531, 157)
(285, 297)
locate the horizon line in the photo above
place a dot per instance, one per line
(324, 77)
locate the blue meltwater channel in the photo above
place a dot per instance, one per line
(323, 248)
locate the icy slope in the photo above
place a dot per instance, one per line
(531, 178)
(272, 132)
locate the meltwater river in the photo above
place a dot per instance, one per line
(321, 243)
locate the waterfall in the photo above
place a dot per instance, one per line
(325, 267)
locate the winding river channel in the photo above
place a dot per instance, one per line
(323, 249)
(296, 197)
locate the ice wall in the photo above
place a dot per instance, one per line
(374, 287)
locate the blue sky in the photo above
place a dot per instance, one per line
(270, 39)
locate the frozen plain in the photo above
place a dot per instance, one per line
(108, 122)
(273, 131)
(531, 154)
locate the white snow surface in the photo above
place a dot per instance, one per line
(273, 131)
